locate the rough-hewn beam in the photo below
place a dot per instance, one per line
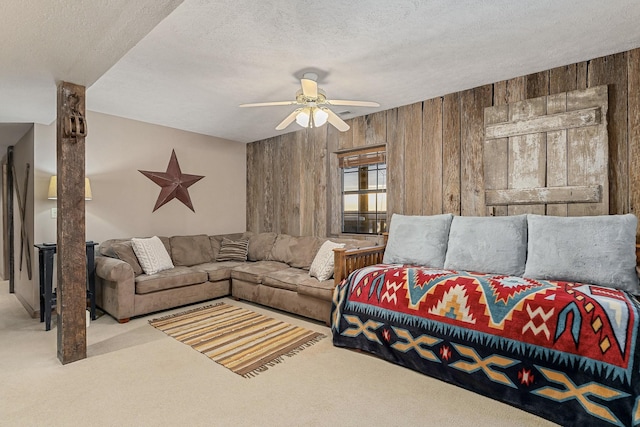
(547, 123)
(527, 196)
(72, 273)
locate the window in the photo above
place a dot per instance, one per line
(364, 192)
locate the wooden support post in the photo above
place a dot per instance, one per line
(339, 264)
(72, 273)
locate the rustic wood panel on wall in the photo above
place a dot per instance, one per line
(548, 155)
(435, 152)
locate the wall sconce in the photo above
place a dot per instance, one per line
(53, 189)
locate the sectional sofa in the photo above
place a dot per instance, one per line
(275, 274)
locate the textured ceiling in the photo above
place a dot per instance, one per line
(196, 66)
(46, 41)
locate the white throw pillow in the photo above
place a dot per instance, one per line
(322, 265)
(152, 255)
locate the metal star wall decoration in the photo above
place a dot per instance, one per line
(173, 183)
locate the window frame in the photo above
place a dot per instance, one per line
(361, 159)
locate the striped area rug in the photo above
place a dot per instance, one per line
(239, 339)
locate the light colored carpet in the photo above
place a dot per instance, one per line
(136, 375)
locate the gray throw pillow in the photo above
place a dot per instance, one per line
(488, 244)
(418, 240)
(598, 250)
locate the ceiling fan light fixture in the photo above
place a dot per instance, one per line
(302, 118)
(320, 117)
(312, 117)
(313, 106)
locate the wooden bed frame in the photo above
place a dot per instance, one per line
(346, 261)
(350, 260)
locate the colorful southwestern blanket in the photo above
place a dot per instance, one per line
(563, 351)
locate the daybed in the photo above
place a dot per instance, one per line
(273, 271)
(538, 312)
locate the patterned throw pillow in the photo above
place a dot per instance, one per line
(323, 263)
(233, 250)
(152, 254)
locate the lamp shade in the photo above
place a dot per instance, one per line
(87, 189)
(310, 117)
(303, 117)
(319, 117)
(53, 189)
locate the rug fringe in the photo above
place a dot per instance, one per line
(304, 345)
(264, 367)
(305, 338)
(182, 313)
(280, 359)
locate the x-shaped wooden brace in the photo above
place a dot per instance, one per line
(25, 246)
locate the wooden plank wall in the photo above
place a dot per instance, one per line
(434, 151)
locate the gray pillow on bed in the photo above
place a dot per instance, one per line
(489, 244)
(599, 250)
(418, 240)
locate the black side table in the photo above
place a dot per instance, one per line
(47, 295)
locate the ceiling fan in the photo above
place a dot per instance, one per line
(313, 106)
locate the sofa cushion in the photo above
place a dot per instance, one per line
(323, 264)
(314, 288)
(218, 271)
(105, 248)
(288, 279)
(488, 244)
(598, 250)
(166, 241)
(418, 240)
(169, 279)
(260, 246)
(191, 250)
(233, 250)
(124, 251)
(254, 271)
(298, 252)
(152, 254)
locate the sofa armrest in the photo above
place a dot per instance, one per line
(115, 287)
(112, 269)
(346, 261)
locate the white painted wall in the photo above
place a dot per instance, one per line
(123, 198)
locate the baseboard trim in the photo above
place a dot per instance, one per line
(32, 312)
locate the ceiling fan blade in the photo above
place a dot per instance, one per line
(352, 103)
(336, 121)
(288, 120)
(309, 88)
(268, 104)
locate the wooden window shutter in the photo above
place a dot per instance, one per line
(362, 156)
